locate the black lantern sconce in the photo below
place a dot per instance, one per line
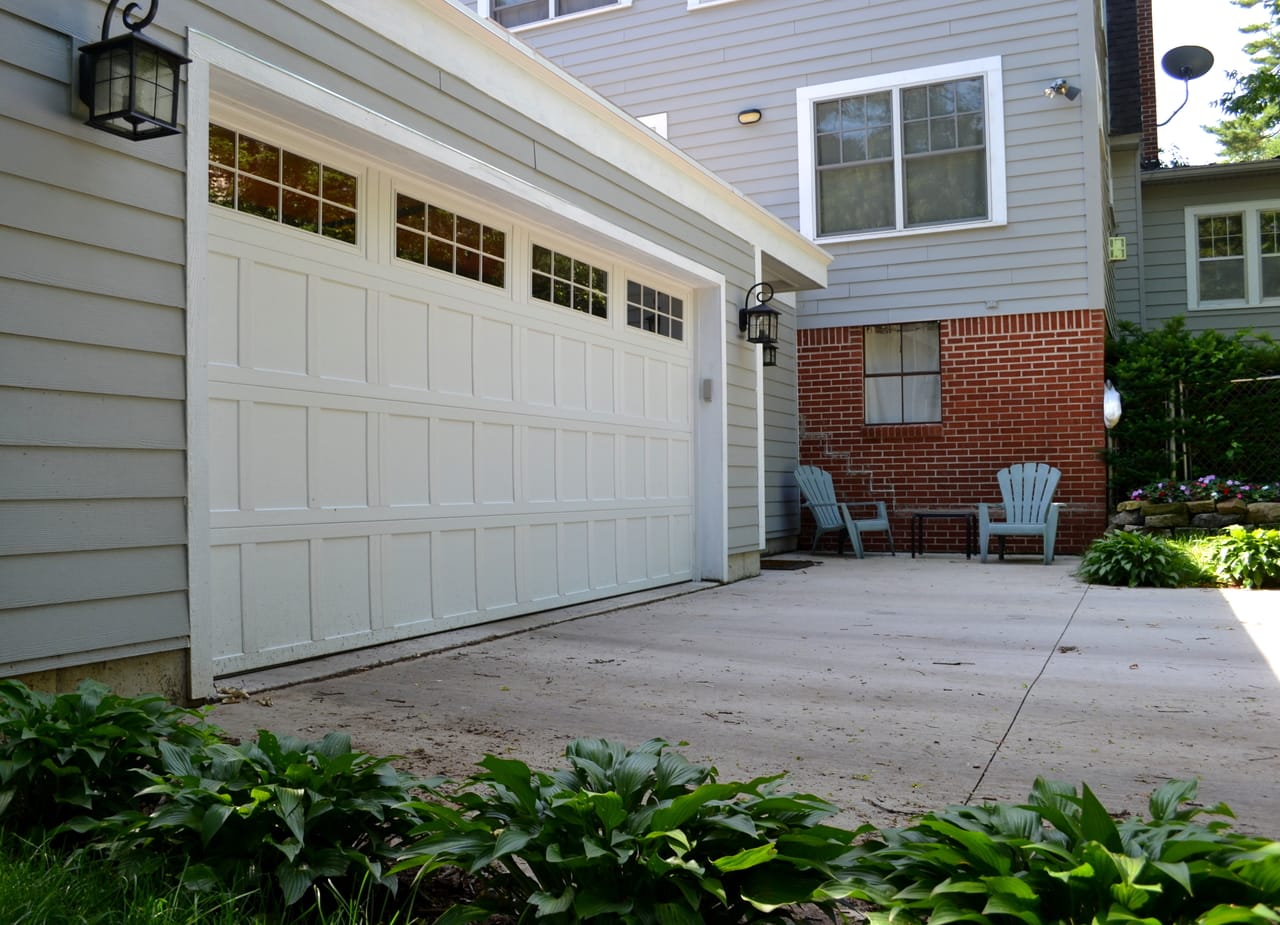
(760, 321)
(130, 83)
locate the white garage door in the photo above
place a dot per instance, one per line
(397, 449)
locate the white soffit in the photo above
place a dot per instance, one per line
(484, 55)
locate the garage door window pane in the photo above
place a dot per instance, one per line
(268, 182)
(651, 310)
(452, 243)
(568, 281)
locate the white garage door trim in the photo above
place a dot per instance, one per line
(711, 492)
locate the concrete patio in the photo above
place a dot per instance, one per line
(888, 685)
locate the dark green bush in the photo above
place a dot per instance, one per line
(79, 754)
(1249, 558)
(281, 811)
(640, 836)
(1061, 858)
(1137, 560)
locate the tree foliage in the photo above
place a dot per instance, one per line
(1251, 131)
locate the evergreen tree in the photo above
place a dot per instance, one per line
(1253, 130)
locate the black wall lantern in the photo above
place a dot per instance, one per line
(130, 83)
(760, 321)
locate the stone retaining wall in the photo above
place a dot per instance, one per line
(1204, 515)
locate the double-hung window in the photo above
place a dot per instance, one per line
(910, 151)
(901, 366)
(1233, 255)
(513, 13)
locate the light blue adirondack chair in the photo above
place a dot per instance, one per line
(1027, 490)
(829, 515)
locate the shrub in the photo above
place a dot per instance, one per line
(631, 836)
(283, 810)
(1061, 858)
(78, 754)
(1249, 558)
(1137, 560)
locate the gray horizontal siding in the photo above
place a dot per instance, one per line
(1127, 273)
(755, 53)
(1164, 257)
(92, 336)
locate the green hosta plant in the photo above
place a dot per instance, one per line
(284, 810)
(77, 754)
(632, 836)
(1061, 858)
(1250, 558)
(1137, 560)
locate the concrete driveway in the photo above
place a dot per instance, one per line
(888, 685)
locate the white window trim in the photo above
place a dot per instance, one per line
(807, 97)
(1252, 254)
(699, 4)
(485, 9)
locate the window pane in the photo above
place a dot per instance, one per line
(494, 272)
(1271, 277)
(853, 113)
(969, 96)
(301, 173)
(410, 246)
(564, 7)
(858, 198)
(946, 187)
(259, 159)
(541, 259)
(411, 212)
(880, 142)
(222, 187)
(971, 130)
(338, 223)
(1221, 280)
(942, 99)
(518, 12)
(339, 187)
(853, 147)
(439, 255)
(942, 134)
(828, 149)
(883, 400)
(920, 347)
(300, 211)
(259, 198)
(882, 349)
(921, 399)
(915, 104)
(1269, 233)
(1221, 235)
(222, 145)
(827, 116)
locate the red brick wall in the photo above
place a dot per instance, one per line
(1015, 388)
(1147, 68)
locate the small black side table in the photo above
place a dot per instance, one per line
(970, 529)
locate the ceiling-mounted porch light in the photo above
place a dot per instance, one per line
(130, 83)
(760, 321)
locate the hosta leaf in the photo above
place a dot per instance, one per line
(463, 914)
(1095, 823)
(510, 841)
(1082, 872)
(1017, 821)
(548, 904)
(291, 810)
(946, 912)
(1011, 886)
(1240, 915)
(632, 774)
(675, 914)
(748, 858)
(1178, 873)
(294, 880)
(683, 808)
(981, 847)
(200, 878)
(609, 809)
(213, 819)
(951, 885)
(1164, 801)
(1004, 904)
(515, 776)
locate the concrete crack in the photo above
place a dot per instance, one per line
(1053, 650)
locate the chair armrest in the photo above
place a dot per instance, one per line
(984, 511)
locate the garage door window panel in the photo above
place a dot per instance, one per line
(443, 240)
(264, 180)
(650, 309)
(564, 280)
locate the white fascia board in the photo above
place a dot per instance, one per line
(486, 56)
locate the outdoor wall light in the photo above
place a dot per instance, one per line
(760, 321)
(1060, 87)
(130, 83)
(749, 117)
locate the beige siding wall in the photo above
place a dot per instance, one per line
(92, 430)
